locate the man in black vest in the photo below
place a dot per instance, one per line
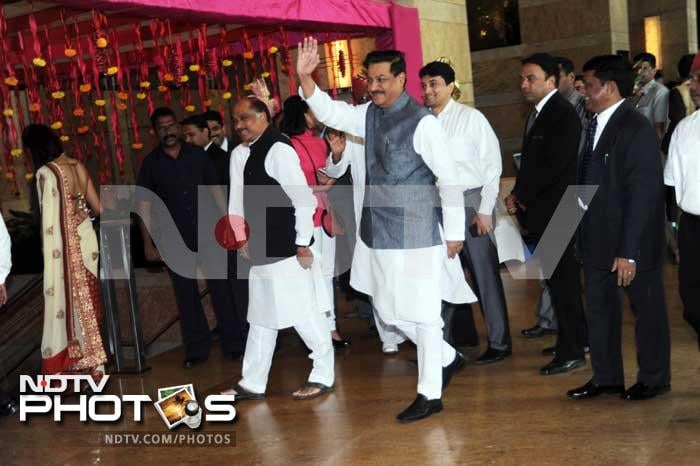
(548, 167)
(269, 191)
(622, 236)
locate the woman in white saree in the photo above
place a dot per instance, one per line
(71, 341)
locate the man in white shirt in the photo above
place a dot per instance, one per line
(409, 271)
(683, 173)
(285, 282)
(5, 260)
(474, 146)
(651, 98)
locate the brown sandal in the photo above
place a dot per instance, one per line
(243, 394)
(322, 389)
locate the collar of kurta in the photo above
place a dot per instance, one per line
(396, 106)
(451, 105)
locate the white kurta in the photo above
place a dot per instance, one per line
(404, 284)
(477, 154)
(282, 293)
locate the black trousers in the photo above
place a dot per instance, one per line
(565, 289)
(604, 316)
(196, 335)
(689, 269)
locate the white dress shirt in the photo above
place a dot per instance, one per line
(206, 148)
(474, 146)
(282, 164)
(224, 145)
(682, 169)
(602, 121)
(5, 252)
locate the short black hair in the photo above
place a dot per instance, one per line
(293, 116)
(566, 65)
(260, 107)
(196, 120)
(579, 77)
(395, 58)
(43, 144)
(684, 65)
(213, 115)
(438, 68)
(613, 68)
(161, 112)
(546, 62)
(647, 57)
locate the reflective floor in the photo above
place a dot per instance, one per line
(499, 414)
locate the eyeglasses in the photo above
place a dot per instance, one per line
(381, 80)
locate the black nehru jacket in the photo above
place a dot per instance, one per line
(273, 208)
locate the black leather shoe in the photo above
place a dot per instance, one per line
(420, 409)
(448, 371)
(191, 362)
(591, 390)
(537, 332)
(340, 344)
(552, 350)
(492, 355)
(642, 391)
(559, 367)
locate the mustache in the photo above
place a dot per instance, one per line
(377, 92)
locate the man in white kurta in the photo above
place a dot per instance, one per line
(682, 171)
(406, 284)
(475, 147)
(284, 292)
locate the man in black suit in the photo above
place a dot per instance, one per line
(196, 131)
(622, 236)
(548, 167)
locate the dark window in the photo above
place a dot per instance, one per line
(493, 23)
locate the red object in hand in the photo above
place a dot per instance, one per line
(225, 232)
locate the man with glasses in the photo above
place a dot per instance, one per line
(478, 159)
(412, 268)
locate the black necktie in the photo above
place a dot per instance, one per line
(588, 151)
(530, 121)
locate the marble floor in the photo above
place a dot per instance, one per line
(501, 414)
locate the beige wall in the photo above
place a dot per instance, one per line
(678, 29)
(444, 33)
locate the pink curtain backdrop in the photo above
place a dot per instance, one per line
(398, 26)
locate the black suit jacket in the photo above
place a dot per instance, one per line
(548, 164)
(625, 218)
(221, 161)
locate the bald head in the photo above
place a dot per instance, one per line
(250, 118)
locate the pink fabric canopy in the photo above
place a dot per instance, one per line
(394, 26)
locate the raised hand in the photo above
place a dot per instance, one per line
(307, 58)
(336, 141)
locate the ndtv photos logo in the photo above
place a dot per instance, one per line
(176, 405)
